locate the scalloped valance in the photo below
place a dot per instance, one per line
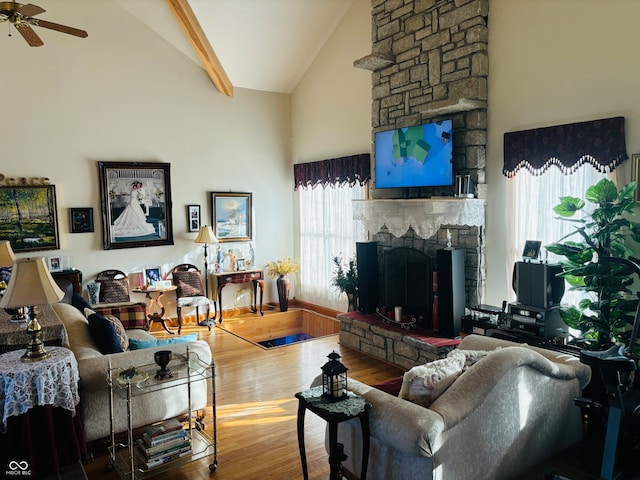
(336, 171)
(598, 142)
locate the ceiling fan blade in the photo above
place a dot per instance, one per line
(29, 10)
(59, 28)
(28, 34)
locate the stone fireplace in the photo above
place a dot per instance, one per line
(430, 62)
(426, 226)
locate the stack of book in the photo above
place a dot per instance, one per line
(163, 442)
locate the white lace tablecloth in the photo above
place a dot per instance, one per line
(23, 385)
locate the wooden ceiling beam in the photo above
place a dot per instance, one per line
(200, 43)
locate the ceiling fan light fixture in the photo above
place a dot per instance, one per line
(21, 16)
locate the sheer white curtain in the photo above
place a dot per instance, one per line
(531, 201)
(327, 229)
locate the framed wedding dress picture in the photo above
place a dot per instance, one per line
(136, 204)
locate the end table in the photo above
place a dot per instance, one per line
(334, 413)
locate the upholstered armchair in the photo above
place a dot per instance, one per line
(190, 293)
(114, 286)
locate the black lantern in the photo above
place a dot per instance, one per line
(334, 379)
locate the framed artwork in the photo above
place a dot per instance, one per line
(136, 204)
(531, 249)
(28, 218)
(81, 220)
(152, 275)
(636, 173)
(240, 265)
(231, 216)
(55, 264)
(193, 217)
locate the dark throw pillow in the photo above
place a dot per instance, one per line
(104, 334)
(80, 302)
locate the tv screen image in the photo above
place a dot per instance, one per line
(418, 156)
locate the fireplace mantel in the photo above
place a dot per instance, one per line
(424, 215)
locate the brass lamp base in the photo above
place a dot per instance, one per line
(35, 347)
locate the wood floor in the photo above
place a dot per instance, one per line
(256, 409)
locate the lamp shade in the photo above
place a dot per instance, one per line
(205, 235)
(6, 254)
(31, 284)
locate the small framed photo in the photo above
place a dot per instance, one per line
(152, 275)
(193, 217)
(531, 249)
(55, 264)
(81, 220)
(240, 265)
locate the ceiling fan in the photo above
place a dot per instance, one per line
(21, 17)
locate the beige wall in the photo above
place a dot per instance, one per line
(552, 63)
(124, 93)
(331, 106)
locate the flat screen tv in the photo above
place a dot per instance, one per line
(418, 156)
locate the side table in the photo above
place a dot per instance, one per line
(155, 309)
(254, 276)
(333, 413)
(39, 427)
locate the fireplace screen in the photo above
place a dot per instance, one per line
(408, 283)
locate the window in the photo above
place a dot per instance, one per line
(327, 229)
(532, 216)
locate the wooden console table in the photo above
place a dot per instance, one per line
(74, 276)
(254, 276)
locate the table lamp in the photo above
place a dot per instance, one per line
(6, 260)
(31, 285)
(206, 236)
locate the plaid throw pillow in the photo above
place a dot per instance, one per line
(131, 315)
(189, 284)
(114, 290)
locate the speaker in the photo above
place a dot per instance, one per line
(367, 260)
(538, 284)
(451, 291)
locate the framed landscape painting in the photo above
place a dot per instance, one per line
(136, 204)
(231, 216)
(28, 218)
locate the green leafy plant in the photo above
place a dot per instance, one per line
(606, 313)
(345, 277)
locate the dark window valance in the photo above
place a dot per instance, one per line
(599, 142)
(336, 171)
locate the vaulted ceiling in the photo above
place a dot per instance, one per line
(257, 44)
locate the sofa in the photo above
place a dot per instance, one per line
(497, 419)
(93, 388)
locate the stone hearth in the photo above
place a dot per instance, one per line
(402, 347)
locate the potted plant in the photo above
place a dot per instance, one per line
(606, 313)
(345, 279)
(280, 269)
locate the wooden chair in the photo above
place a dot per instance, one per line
(114, 286)
(190, 293)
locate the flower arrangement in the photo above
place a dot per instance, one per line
(281, 267)
(345, 277)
